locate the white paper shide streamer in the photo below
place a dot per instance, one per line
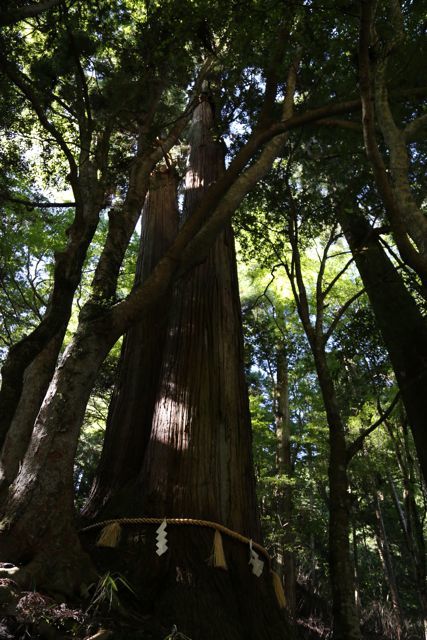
(161, 539)
(255, 561)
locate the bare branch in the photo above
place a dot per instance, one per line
(357, 444)
(340, 314)
(412, 128)
(320, 295)
(338, 276)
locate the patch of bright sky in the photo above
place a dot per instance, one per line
(254, 281)
(33, 156)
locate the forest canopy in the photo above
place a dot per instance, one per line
(213, 338)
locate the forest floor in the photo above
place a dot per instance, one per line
(30, 615)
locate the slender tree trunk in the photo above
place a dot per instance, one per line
(131, 408)
(67, 275)
(409, 517)
(402, 326)
(346, 625)
(356, 571)
(387, 562)
(284, 469)
(415, 529)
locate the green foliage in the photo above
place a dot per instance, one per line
(28, 242)
(106, 592)
(364, 382)
(92, 67)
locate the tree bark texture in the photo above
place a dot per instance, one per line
(37, 521)
(67, 275)
(35, 385)
(199, 461)
(387, 562)
(284, 469)
(346, 624)
(131, 408)
(402, 326)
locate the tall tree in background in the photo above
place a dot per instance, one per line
(402, 324)
(284, 469)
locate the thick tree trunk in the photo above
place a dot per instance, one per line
(402, 326)
(198, 462)
(35, 385)
(37, 527)
(131, 408)
(201, 434)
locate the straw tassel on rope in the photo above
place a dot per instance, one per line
(218, 552)
(110, 535)
(278, 589)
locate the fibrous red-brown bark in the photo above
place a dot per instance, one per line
(198, 462)
(131, 408)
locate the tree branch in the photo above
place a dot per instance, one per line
(340, 314)
(84, 109)
(406, 249)
(320, 294)
(13, 16)
(122, 223)
(33, 204)
(23, 84)
(413, 127)
(337, 277)
(341, 124)
(357, 444)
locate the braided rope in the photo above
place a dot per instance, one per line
(182, 521)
